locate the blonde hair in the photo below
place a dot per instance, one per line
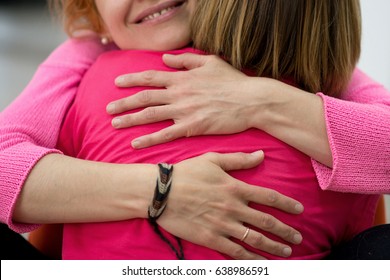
(77, 15)
(314, 42)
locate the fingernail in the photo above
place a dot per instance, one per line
(110, 108)
(287, 251)
(168, 55)
(297, 238)
(135, 144)
(120, 81)
(299, 208)
(258, 153)
(116, 122)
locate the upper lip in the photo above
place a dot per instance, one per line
(156, 9)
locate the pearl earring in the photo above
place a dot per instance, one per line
(104, 40)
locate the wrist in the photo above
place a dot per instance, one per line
(139, 185)
(295, 117)
(266, 103)
(161, 191)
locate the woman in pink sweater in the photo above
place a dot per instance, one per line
(29, 139)
(84, 192)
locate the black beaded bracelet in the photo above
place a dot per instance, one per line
(163, 186)
(159, 203)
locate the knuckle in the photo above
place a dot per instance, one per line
(166, 135)
(150, 113)
(238, 253)
(258, 241)
(208, 238)
(272, 197)
(234, 190)
(148, 75)
(289, 234)
(268, 221)
(227, 209)
(145, 97)
(221, 225)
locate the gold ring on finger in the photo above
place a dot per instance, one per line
(245, 234)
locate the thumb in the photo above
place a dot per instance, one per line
(185, 61)
(236, 161)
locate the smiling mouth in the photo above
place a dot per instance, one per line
(160, 13)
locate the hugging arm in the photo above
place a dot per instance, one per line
(85, 194)
(312, 123)
(40, 185)
(358, 128)
(29, 127)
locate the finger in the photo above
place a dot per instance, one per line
(187, 60)
(146, 116)
(271, 198)
(235, 250)
(236, 161)
(146, 78)
(261, 242)
(141, 99)
(270, 224)
(165, 135)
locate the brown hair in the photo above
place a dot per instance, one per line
(316, 43)
(77, 15)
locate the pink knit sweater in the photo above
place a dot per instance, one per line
(358, 131)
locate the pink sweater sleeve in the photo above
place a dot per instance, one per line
(358, 128)
(29, 127)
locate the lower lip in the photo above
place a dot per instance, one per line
(165, 17)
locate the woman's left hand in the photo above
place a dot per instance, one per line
(211, 97)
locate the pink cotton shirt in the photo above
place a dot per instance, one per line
(358, 128)
(329, 217)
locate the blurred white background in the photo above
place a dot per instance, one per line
(28, 35)
(375, 58)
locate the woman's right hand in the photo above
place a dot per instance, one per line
(208, 207)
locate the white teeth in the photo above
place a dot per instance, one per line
(164, 11)
(156, 15)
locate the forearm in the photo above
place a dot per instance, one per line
(293, 116)
(360, 139)
(337, 134)
(61, 189)
(29, 126)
